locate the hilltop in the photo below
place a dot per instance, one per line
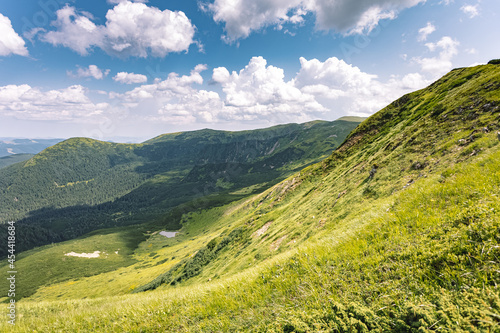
(396, 230)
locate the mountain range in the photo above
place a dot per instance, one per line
(81, 184)
(394, 227)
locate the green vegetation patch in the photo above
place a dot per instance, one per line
(50, 264)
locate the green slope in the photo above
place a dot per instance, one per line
(396, 231)
(81, 184)
(450, 122)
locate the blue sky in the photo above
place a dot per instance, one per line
(136, 69)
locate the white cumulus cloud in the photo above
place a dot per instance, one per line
(260, 93)
(344, 89)
(441, 63)
(346, 16)
(262, 87)
(91, 71)
(131, 29)
(176, 99)
(424, 32)
(10, 41)
(75, 31)
(130, 78)
(26, 102)
(471, 10)
(243, 17)
(114, 2)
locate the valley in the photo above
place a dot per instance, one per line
(389, 224)
(80, 184)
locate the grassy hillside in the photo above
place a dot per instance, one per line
(80, 184)
(396, 231)
(401, 270)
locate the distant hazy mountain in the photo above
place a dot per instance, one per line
(5, 161)
(11, 146)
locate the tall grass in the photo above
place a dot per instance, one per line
(428, 262)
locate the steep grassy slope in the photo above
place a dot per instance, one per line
(82, 184)
(424, 265)
(396, 231)
(390, 151)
